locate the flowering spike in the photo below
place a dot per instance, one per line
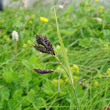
(41, 71)
(47, 46)
(50, 47)
(15, 35)
(41, 49)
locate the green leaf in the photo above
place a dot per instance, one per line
(25, 101)
(31, 95)
(12, 103)
(70, 8)
(5, 93)
(27, 78)
(17, 94)
(8, 77)
(33, 59)
(27, 64)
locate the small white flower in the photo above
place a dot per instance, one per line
(99, 19)
(15, 35)
(61, 6)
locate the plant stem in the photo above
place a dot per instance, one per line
(76, 99)
(65, 60)
(62, 65)
(70, 81)
(15, 47)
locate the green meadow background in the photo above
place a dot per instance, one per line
(80, 36)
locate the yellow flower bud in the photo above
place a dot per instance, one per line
(25, 46)
(65, 76)
(30, 22)
(29, 42)
(61, 81)
(67, 81)
(75, 69)
(59, 69)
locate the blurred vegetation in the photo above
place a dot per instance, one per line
(85, 31)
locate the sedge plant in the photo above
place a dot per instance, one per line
(65, 57)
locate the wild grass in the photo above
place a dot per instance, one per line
(81, 43)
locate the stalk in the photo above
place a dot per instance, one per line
(65, 59)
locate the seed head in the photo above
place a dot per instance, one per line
(49, 45)
(41, 49)
(41, 71)
(46, 45)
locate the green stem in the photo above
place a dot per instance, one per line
(15, 49)
(66, 59)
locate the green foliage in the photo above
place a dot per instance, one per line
(84, 35)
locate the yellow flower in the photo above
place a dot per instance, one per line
(96, 0)
(29, 42)
(108, 71)
(43, 19)
(25, 45)
(75, 69)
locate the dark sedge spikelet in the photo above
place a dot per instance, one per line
(44, 46)
(40, 40)
(41, 71)
(45, 42)
(41, 49)
(49, 45)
